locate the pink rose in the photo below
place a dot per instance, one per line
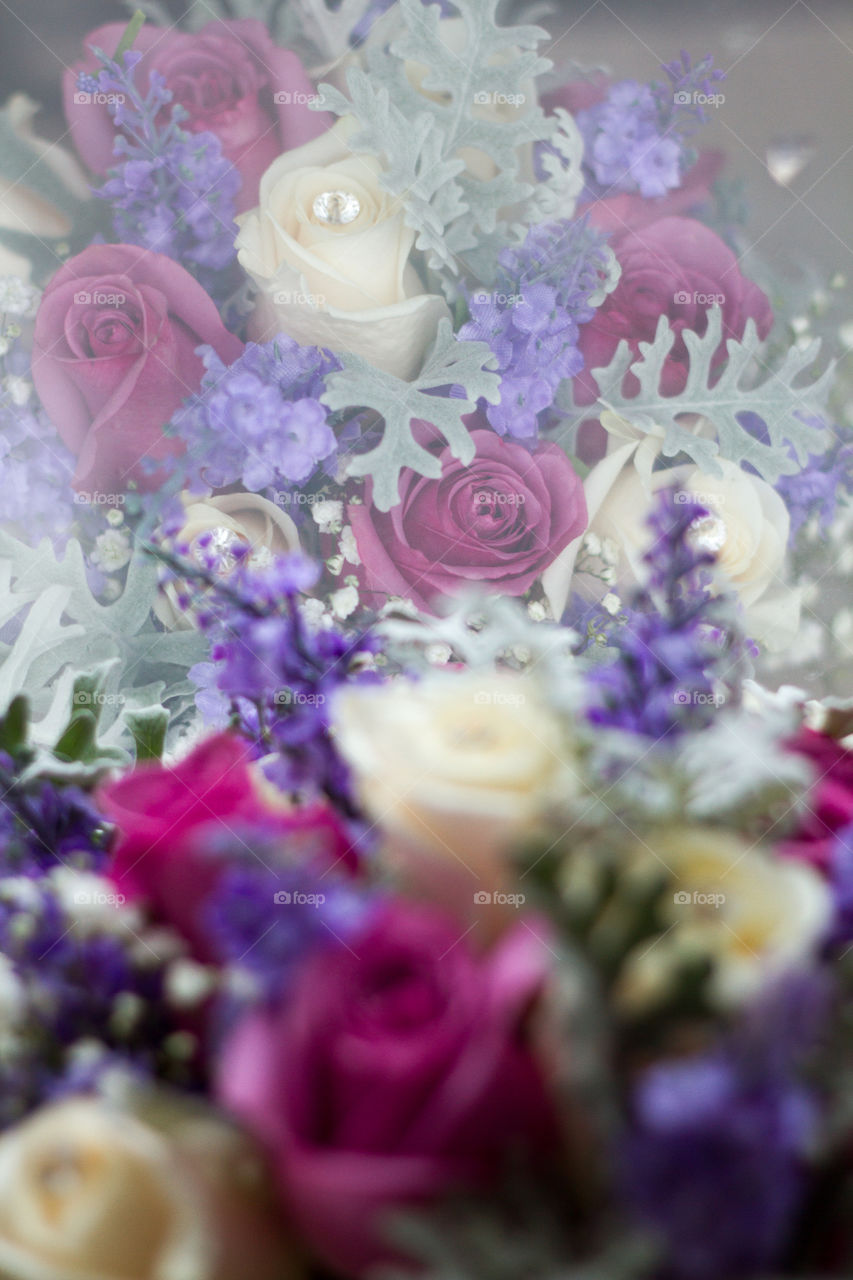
(398, 1071)
(678, 268)
(114, 354)
(830, 803)
(499, 521)
(170, 819)
(231, 79)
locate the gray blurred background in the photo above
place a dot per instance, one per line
(791, 74)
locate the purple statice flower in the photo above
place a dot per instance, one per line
(716, 1151)
(674, 639)
(530, 320)
(43, 824)
(815, 492)
(171, 191)
(715, 1163)
(36, 499)
(264, 922)
(258, 422)
(277, 673)
(78, 978)
(635, 140)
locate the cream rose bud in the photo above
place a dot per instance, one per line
(746, 529)
(223, 523)
(329, 252)
(456, 769)
(753, 915)
(91, 1192)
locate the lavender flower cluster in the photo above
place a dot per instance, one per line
(273, 674)
(171, 191)
(635, 140)
(530, 320)
(35, 466)
(259, 421)
(675, 636)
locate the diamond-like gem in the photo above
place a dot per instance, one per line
(336, 207)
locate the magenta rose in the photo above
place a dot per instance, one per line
(231, 79)
(398, 1071)
(171, 820)
(499, 520)
(114, 354)
(829, 809)
(677, 268)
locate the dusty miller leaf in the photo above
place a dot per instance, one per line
(449, 363)
(66, 634)
(419, 137)
(719, 396)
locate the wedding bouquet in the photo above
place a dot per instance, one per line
(427, 785)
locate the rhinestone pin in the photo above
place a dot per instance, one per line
(336, 207)
(708, 533)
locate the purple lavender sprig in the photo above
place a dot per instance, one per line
(636, 139)
(530, 319)
(815, 492)
(275, 674)
(171, 191)
(672, 647)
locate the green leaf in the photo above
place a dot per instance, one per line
(72, 652)
(78, 742)
(14, 726)
(718, 395)
(131, 31)
(149, 732)
(449, 363)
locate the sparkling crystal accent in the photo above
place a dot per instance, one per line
(708, 533)
(217, 545)
(336, 207)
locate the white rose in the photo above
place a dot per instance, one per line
(345, 284)
(456, 769)
(91, 1192)
(232, 518)
(746, 529)
(20, 208)
(754, 916)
